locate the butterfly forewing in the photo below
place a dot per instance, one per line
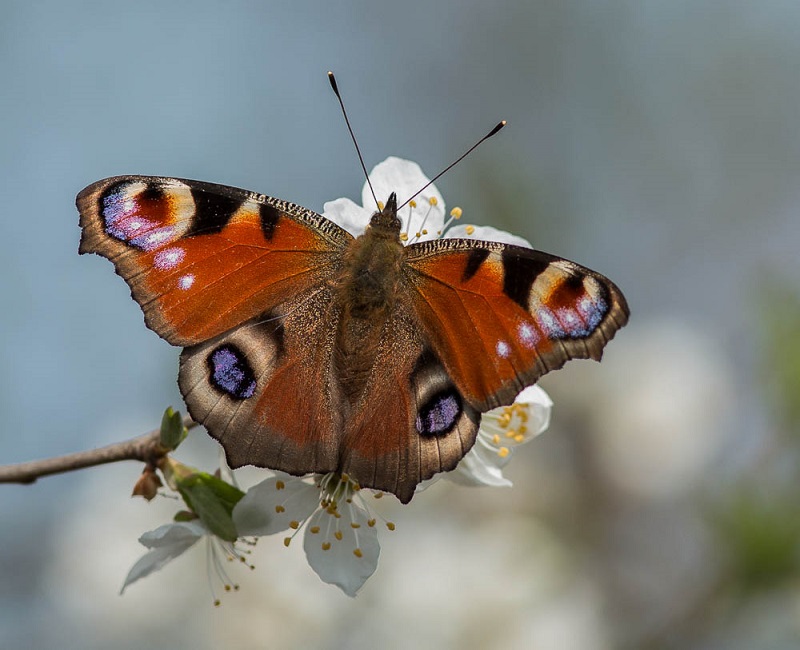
(202, 258)
(501, 316)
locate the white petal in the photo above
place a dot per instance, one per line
(539, 410)
(405, 178)
(479, 468)
(166, 543)
(348, 215)
(257, 513)
(339, 565)
(483, 465)
(485, 233)
(175, 533)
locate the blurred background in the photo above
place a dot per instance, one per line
(656, 142)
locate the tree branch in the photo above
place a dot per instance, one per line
(145, 448)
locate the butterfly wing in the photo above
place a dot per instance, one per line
(202, 258)
(500, 316)
(265, 389)
(411, 422)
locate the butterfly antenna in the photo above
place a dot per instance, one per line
(499, 126)
(332, 79)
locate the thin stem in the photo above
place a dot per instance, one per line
(145, 448)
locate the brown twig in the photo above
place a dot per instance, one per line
(145, 448)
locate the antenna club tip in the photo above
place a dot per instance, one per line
(499, 126)
(332, 79)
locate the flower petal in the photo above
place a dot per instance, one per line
(343, 551)
(478, 468)
(502, 430)
(540, 408)
(272, 505)
(485, 233)
(346, 214)
(405, 178)
(166, 543)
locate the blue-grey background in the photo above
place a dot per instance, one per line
(656, 142)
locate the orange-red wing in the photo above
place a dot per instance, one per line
(202, 258)
(499, 316)
(411, 421)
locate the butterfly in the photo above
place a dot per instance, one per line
(309, 350)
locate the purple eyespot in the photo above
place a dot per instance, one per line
(440, 413)
(231, 373)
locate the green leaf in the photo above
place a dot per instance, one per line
(212, 500)
(173, 432)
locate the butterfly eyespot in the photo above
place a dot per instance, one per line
(231, 373)
(145, 216)
(440, 413)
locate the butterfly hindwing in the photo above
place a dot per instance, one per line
(501, 316)
(264, 390)
(411, 422)
(202, 258)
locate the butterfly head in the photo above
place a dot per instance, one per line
(385, 220)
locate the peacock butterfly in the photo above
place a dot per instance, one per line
(308, 350)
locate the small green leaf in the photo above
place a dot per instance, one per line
(173, 432)
(212, 499)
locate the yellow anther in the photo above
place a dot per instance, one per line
(496, 439)
(412, 203)
(456, 213)
(280, 509)
(337, 515)
(403, 236)
(381, 205)
(503, 452)
(390, 525)
(511, 433)
(424, 231)
(371, 523)
(338, 535)
(326, 546)
(287, 541)
(217, 603)
(314, 530)
(433, 200)
(523, 429)
(357, 552)
(378, 495)
(227, 587)
(294, 524)
(354, 525)
(504, 420)
(470, 229)
(418, 234)
(519, 438)
(279, 485)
